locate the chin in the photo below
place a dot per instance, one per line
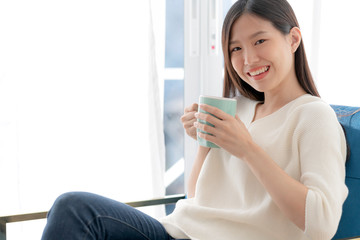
(258, 88)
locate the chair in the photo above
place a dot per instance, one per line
(350, 220)
(349, 226)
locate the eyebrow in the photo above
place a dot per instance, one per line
(251, 36)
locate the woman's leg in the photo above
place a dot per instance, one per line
(83, 216)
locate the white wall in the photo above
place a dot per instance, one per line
(330, 33)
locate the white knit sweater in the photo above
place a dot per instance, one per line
(305, 139)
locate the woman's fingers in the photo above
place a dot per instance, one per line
(207, 118)
(205, 128)
(191, 115)
(213, 115)
(221, 127)
(192, 108)
(208, 137)
(215, 111)
(188, 120)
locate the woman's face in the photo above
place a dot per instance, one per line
(261, 55)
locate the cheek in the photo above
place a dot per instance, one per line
(237, 65)
(283, 62)
(281, 58)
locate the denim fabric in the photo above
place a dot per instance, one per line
(80, 216)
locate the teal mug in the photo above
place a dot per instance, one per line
(228, 105)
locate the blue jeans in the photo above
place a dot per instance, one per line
(83, 216)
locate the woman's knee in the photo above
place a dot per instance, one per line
(70, 199)
(69, 203)
(70, 212)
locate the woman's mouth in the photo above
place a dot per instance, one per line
(258, 71)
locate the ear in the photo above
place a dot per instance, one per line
(295, 38)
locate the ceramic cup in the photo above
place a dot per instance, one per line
(228, 105)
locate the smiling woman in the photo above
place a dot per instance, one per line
(263, 53)
(286, 31)
(280, 171)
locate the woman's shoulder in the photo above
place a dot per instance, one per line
(314, 107)
(311, 110)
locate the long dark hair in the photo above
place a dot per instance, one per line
(282, 16)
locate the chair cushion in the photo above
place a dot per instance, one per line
(350, 220)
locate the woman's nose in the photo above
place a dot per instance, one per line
(250, 57)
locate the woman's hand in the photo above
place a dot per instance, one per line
(188, 120)
(228, 132)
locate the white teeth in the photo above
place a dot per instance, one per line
(261, 70)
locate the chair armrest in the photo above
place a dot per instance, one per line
(40, 215)
(157, 201)
(352, 238)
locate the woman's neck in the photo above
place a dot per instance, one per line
(274, 100)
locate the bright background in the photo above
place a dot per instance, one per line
(71, 76)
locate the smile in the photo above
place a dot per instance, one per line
(258, 71)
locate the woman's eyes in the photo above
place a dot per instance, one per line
(236, 49)
(260, 41)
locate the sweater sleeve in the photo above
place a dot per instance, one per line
(322, 149)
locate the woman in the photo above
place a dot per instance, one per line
(279, 173)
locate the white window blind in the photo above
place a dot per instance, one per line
(80, 102)
(329, 30)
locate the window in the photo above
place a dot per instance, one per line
(174, 98)
(78, 109)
